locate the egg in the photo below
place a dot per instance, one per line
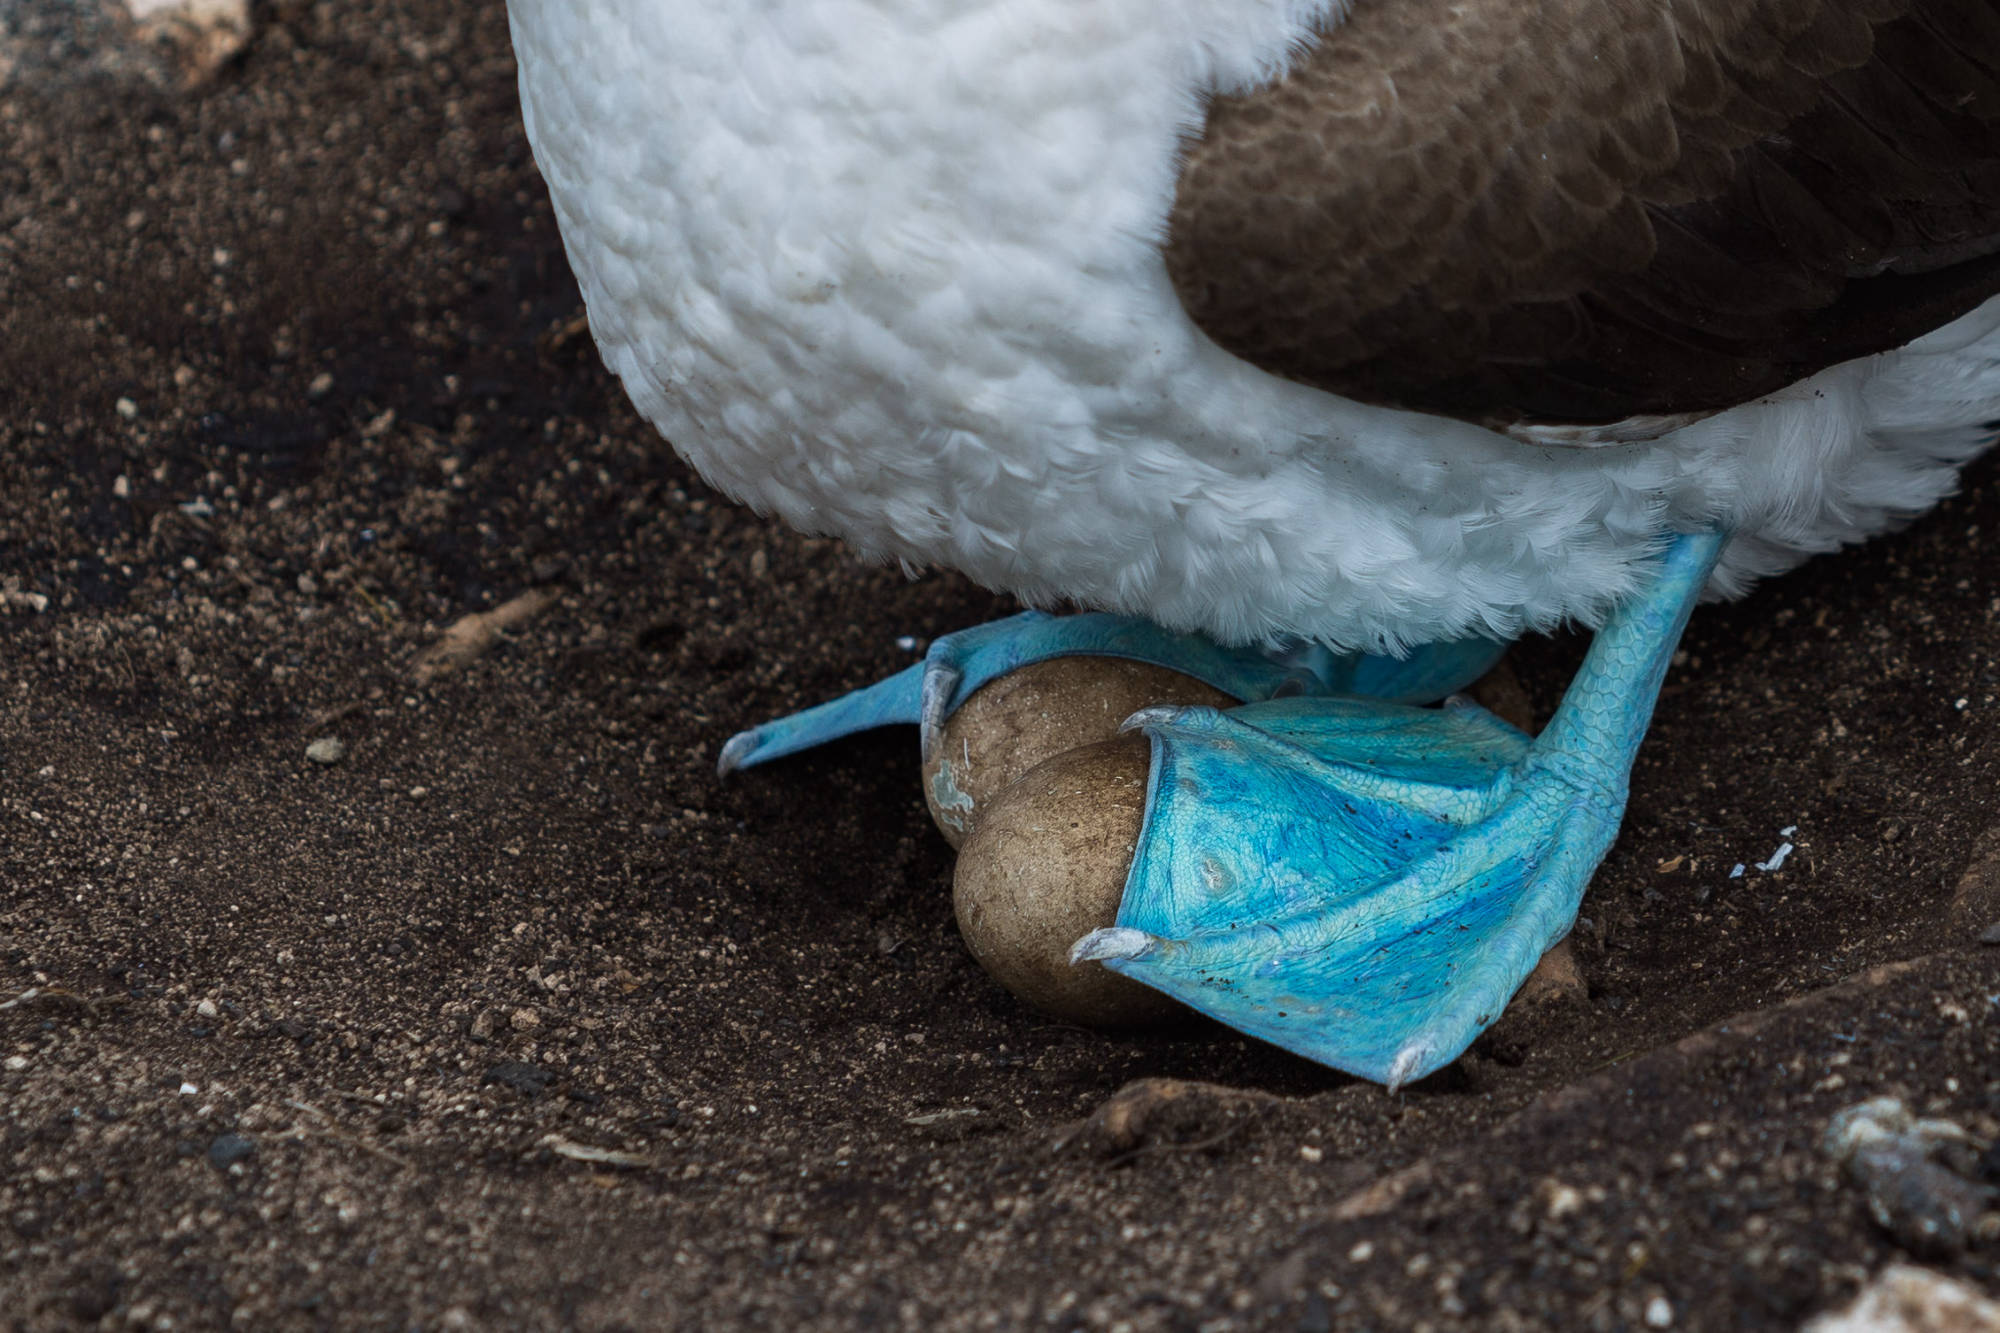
(1011, 724)
(1046, 803)
(1045, 866)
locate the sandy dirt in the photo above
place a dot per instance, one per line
(341, 989)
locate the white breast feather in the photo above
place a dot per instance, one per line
(891, 270)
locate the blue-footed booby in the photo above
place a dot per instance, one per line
(1315, 350)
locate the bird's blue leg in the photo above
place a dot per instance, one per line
(958, 664)
(1368, 884)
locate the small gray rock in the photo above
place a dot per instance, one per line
(1914, 1174)
(226, 1150)
(1928, 1209)
(528, 1080)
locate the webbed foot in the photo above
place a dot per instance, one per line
(1356, 879)
(1367, 884)
(1034, 685)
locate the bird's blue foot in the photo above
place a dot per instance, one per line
(1328, 866)
(1368, 884)
(957, 665)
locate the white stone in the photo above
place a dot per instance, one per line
(1906, 1299)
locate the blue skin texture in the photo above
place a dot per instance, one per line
(1330, 867)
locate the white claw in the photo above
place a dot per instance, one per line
(736, 752)
(1155, 716)
(1111, 942)
(1408, 1061)
(940, 684)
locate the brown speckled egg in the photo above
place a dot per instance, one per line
(1045, 866)
(1014, 723)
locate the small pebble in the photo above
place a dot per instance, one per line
(16, 1063)
(207, 1009)
(526, 1079)
(1906, 1299)
(12, 599)
(327, 750)
(1659, 1314)
(1914, 1174)
(226, 1150)
(1559, 1200)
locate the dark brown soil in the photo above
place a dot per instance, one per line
(293, 379)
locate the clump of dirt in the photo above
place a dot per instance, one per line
(504, 1012)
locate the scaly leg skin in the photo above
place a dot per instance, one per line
(928, 692)
(1367, 884)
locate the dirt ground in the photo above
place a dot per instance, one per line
(294, 378)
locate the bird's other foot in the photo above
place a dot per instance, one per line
(993, 701)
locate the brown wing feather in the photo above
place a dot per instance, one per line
(1586, 210)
